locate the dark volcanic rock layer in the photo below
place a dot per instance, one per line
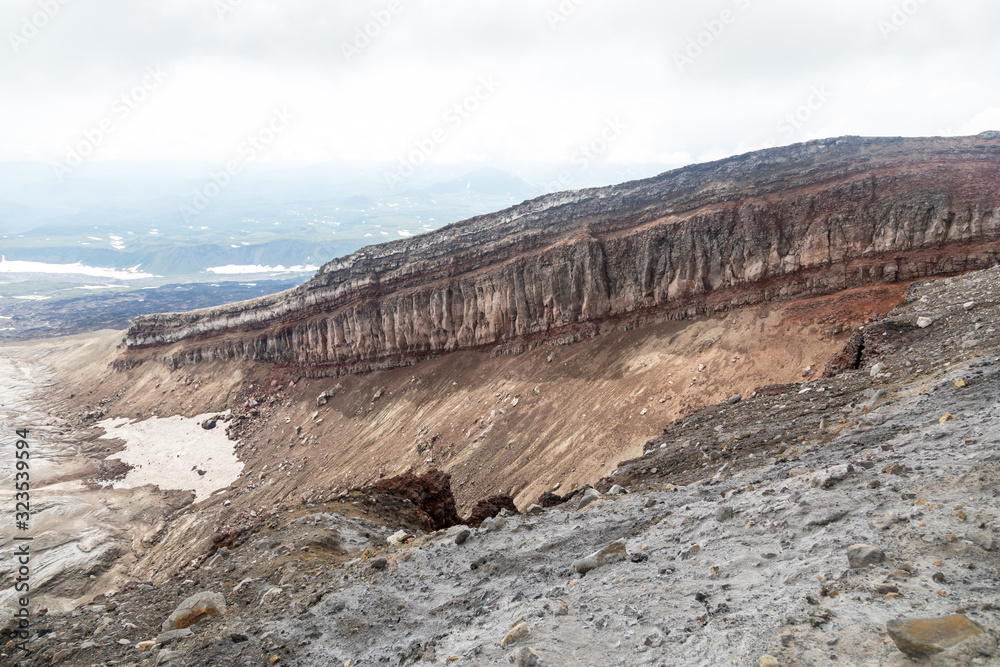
(788, 222)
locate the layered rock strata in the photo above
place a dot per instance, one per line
(788, 222)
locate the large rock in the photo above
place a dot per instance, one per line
(549, 499)
(589, 496)
(516, 634)
(925, 636)
(193, 608)
(795, 221)
(610, 554)
(983, 539)
(430, 495)
(487, 508)
(864, 555)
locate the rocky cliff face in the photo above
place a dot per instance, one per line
(797, 221)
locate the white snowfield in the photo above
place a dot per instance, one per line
(79, 269)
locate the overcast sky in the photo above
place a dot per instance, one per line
(640, 81)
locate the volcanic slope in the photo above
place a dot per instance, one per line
(836, 520)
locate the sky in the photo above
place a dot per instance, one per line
(489, 82)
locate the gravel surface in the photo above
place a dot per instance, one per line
(789, 527)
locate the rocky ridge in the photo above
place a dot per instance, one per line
(849, 519)
(775, 224)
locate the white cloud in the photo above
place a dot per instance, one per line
(558, 85)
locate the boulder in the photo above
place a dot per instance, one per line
(864, 555)
(516, 634)
(430, 495)
(193, 608)
(548, 499)
(925, 636)
(589, 496)
(983, 539)
(612, 553)
(488, 508)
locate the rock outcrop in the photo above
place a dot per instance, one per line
(430, 495)
(788, 222)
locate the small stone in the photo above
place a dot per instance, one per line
(208, 424)
(193, 608)
(609, 554)
(958, 384)
(399, 537)
(723, 514)
(875, 370)
(165, 638)
(516, 634)
(807, 371)
(617, 490)
(917, 637)
(827, 478)
(562, 610)
(863, 555)
(768, 661)
(924, 322)
(462, 535)
(969, 305)
(379, 564)
(493, 524)
(165, 657)
(527, 657)
(734, 399)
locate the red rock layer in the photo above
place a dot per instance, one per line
(789, 222)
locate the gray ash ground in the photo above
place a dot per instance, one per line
(737, 524)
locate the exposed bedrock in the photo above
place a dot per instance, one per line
(789, 222)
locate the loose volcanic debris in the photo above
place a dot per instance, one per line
(804, 525)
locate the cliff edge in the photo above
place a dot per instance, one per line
(797, 221)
